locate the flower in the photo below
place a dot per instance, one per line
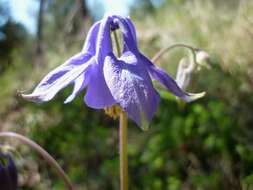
(124, 81)
(184, 72)
(202, 57)
(8, 172)
(203, 60)
(187, 67)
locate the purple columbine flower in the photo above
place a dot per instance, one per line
(8, 172)
(124, 81)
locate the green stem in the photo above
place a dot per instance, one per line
(123, 151)
(122, 137)
(164, 50)
(50, 160)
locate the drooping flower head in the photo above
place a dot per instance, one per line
(111, 80)
(187, 67)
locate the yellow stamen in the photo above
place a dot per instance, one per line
(114, 111)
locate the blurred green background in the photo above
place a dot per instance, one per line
(204, 145)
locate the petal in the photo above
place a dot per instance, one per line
(104, 44)
(129, 37)
(166, 80)
(98, 95)
(130, 25)
(8, 173)
(90, 42)
(12, 173)
(131, 87)
(60, 77)
(132, 28)
(183, 77)
(79, 85)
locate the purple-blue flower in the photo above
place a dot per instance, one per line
(110, 80)
(8, 172)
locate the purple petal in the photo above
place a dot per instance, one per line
(90, 42)
(130, 25)
(60, 77)
(104, 44)
(166, 80)
(98, 95)
(131, 87)
(132, 28)
(8, 173)
(79, 85)
(129, 35)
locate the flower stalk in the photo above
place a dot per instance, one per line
(122, 136)
(49, 159)
(164, 50)
(123, 151)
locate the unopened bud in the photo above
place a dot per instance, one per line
(203, 58)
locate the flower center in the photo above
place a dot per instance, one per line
(114, 26)
(113, 111)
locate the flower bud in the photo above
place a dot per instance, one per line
(8, 172)
(202, 58)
